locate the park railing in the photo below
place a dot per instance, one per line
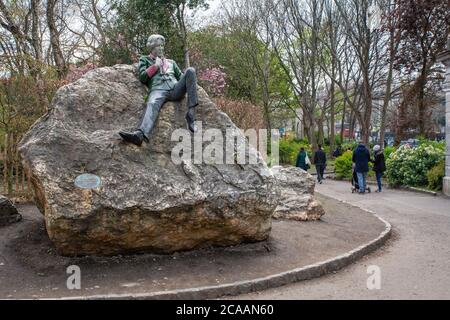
(14, 180)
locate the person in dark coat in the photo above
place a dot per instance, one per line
(379, 165)
(337, 152)
(320, 160)
(361, 158)
(301, 160)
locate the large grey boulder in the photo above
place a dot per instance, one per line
(8, 212)
(297, 200)
(145, 201)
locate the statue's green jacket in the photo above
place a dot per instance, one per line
(158, 81)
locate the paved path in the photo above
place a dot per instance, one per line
(415, 264)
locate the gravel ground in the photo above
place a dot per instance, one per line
(30, 267)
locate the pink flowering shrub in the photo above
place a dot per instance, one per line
(214, 79)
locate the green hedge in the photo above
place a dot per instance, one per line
(343, 166)
(289, 149)
(435, 176)
(409, 166)
(388, 151)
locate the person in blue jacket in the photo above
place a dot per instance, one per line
(361, 158)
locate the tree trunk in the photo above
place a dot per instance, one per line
(187, 61)
(36, 39)
(331, 128)
(365, 123)
(98, 22)
(393, 46)
(351, 133)
(421, 101)
(387, 99)
(401, 122)
(309, 121)
(320, 135)
(343, 122)
(409, 94)
(311, 136)
(54, 39)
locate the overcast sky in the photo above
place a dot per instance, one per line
(205, 17)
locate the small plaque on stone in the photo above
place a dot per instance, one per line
(88, 181)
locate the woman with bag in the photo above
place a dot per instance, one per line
(303, 161)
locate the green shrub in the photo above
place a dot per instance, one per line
(349, 145)
(337, 140)
(409, 166)
(286, 150)
(388, 151)
(343, 166)
(435, 176)
(289, 148)
(303, 141)
(326, 149)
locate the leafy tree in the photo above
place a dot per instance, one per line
(136, 20)
(216, 47)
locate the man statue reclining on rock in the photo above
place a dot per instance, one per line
(166, 83)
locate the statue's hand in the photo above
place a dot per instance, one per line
(158, 62)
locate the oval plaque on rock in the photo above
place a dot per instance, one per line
(88, 181)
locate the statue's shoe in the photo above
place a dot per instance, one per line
(190, 118)
(135, 137)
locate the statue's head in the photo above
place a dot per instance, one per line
(155, 44)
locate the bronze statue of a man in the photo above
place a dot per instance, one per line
(166, 83)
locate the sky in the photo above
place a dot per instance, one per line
(205, 17)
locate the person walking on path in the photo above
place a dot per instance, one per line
(361, 158)
(320, 161)
(379, 165)
(302, 160)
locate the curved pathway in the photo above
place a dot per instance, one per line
(414, 264)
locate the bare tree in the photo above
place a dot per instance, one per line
(93, 17)
(389, 24)
(363, 42)
(15, 23)
(36, 33)
(423, 28)
(294, 29)
(54, 38)
(243, 19)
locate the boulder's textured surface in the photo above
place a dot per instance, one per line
(297, 200)
(8, 212)
(145, 201)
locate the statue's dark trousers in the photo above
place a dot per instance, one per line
(157, 98)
